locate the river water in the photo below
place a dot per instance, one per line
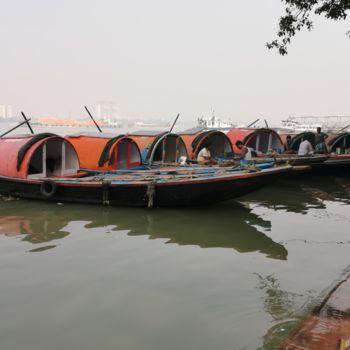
(237, 275)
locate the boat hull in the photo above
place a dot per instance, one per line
(162, 194)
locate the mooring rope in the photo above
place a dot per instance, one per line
(151, 193)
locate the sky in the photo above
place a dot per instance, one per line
(157, 58)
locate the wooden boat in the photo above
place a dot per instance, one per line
(159, 147)
(101, 151)
(46, 166)
(337, 160)
(195, 139)
(261, 140)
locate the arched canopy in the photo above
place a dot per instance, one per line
(195, 139)
(100, 151)
(340, 141)
(160, 147)
(262, 140)
(298, 138)
(40, 155)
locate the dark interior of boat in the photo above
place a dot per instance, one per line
(265, 141)
(169, 149)
(53, 158)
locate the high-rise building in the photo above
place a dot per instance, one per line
(107, 111)
(5, 111)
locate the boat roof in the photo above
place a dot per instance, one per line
(93, 134)
(193, 131)
(147, 132)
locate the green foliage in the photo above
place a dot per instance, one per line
(297, 16)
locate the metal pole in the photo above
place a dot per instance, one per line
(172, 127)
(93, 119)
(27, 122)
(17, 126)
(251, 124)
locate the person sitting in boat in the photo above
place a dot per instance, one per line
(247, 153)
(305, 148)
(320, 144)
(204, 155)
(288, 145)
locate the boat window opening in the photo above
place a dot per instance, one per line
(54, 166)
(53, 158)
(158, 153)
(71, 163)
(35, 166)
(228, 152)
(181, 149)
(276, 144)
(134, 154)
(264, 142)
(217, 145)
(122, 155)
(163, 149)
(170, 149)
(257, 146)
(343, 143)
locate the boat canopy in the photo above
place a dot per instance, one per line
(99, 151)
(195, 139)
(262, 140)
(160, 147)
(37, 156)
(339, 141)
(298, 138)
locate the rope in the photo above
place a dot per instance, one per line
(151, 193)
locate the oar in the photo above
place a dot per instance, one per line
(27, 122)
(251, 124)
(99, 129)
(17, 126)
(172, 127)
(267, 126)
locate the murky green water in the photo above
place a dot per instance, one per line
(230, 276)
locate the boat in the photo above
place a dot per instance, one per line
(335, 162)
(196, 138)
(214, 123)
(46, 166)
(105, 151)
(159, 147)
(297, 125)
(262, 140)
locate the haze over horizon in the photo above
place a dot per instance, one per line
(159, 58)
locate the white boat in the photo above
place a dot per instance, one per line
(214, 123)
(293, 124)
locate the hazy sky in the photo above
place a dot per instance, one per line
(156, 58)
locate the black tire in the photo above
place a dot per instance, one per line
(48, 188)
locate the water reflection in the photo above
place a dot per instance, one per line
(230, 225)
(302, 194)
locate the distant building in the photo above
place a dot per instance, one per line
(5, 111)
(108, 112)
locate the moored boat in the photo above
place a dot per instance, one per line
(335, 162)
(262, 140)
(196, 138)
(100, 151)
(46, 166)
(160, 148)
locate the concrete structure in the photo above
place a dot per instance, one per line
(5, 111)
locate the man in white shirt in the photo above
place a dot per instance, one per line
(305, 148)
(204, 155)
